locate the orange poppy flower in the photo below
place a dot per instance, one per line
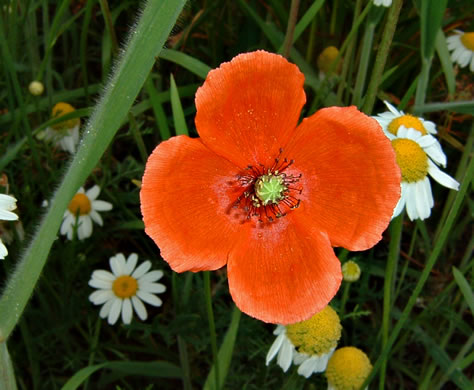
(266, 196)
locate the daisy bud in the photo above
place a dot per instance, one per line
(327, 58)
(350, 271)
(36, 88)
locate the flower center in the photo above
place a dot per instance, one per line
(467, 40)
(411, 159)
(348, 368)
(407, 120)
(318, 335)
(268, 192)
(80, 204)
(61, 109)
(350, 271)
(125, 286)
(270, 188)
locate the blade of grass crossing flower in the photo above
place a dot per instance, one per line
(186, 61)
(390, 272)
(461, 107)
(179, 119)
(7, 376)
(382, 55)
(439, 244)
(464, 287)
(144, 44)
(225, 353)
(445, 59)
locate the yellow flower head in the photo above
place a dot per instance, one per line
(326, 59)
(61, 109)
(348, 368)
(351, 271)
(318, 335)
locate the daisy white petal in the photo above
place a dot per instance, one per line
(401, 203)
(3, 250)
(149, 298)
(275, 348)
(101, 296)
(105, 309)
(142, 269)
(98, 283)
(85, 227)
(102, 205)
(441, 177)
(93, 192)
(139, 308)
(156, 288)
(132, 263)
(285, 356)
(127, 311)
(115, 311)
(151, 276)
(117, 264)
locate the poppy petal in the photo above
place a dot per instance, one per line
(185, 200)
(248, 108)
(350, 179)
(282, 274)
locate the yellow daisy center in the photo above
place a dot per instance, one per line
(61, 109)
(326, 58)
(467, 40)
(125, 286)
(318, 335)
(80, 204)
(407, 120)
(411, 158)
(348, 368)
(350, 271)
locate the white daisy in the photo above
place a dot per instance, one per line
(418, 154)
(308, 344)
(462, 46)
(83, 208)
(7, 204)
(125, 287)
(65, 134)
(385, 3)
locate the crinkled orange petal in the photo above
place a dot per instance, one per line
(351, 181)
(248, 108)
(283, 274)
(185, 199)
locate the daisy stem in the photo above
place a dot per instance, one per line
(212, 325)
(439, 244)
(390, 271)
(382, 55)
(422, 85)
(345, 295)
(290, 29)
(7, 376)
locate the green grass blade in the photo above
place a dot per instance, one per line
(307, 18)
(145, 42)
(461, 107)
(178, 115)
(225, 353)
(464, 287)
(186, 61)
(81, 376)
(431, 18)
(445, 59)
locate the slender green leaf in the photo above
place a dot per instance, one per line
(186, 61)
(445, 59)
(431, 18)
(307, 18)
(464, 287)
(178, 115)
(463, 107)
(79, 377)
(225, 353)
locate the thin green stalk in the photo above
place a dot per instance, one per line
(345, 296)
(312, 38)
(212, 325)
(390, 271)
(145, 42)
(439, 244)
(335, 10)
(7, 375)
(83, 46)
(350, 48)
(422, 85)
(367, 41)
(158, 111)
(138, 137)
(382, 55)
(290, 29)
(93, 347)
(104, 6)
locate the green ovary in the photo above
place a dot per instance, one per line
(270, 188)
